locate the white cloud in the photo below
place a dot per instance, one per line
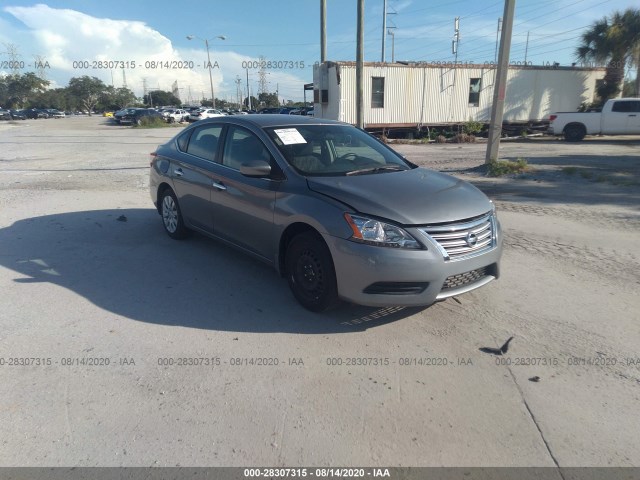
(65, 37)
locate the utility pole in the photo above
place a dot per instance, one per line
(456, 38)
(262, 75)
(393, 43)
(14, 56)
(39, 62)
(248, 92)
(500, 84)
(238, 82)
(323, 31)
(360, 67)
(526, 49)
(495, 55)
(384, 27)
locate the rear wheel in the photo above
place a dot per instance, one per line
(171, 215)
(310, 272)
(574, 133)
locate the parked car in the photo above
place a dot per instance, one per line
(202, 114)
(334, 210)
(5, 114)
(36, 113)
(107, 114)
(173, 115)
(53, 113)
(619, 116)
(121, 113)
(269, 110)
(138, 114)
(18, 114)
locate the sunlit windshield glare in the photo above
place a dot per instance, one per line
(334, 150)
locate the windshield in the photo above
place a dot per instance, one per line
(330, 150)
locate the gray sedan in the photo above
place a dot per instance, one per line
(334, 210)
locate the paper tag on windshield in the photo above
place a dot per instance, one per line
(290, 136)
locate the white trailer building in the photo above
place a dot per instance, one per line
(416, 95)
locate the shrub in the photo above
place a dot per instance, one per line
(472, 127)
(464, 138)
(498, 168)
(441, 139)
(152, 122)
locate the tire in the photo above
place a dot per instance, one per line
(574, 133)
(310, 272)
(172, 120)
(172, 215)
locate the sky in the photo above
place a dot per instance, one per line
(68, 35)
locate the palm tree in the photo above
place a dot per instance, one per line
(616, 42)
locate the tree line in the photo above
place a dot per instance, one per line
(28, 90)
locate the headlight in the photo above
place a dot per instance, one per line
(374, 232)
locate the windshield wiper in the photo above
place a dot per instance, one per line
(385, 168)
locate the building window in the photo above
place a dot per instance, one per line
(377, 92)
(474, 92)
(324, 96)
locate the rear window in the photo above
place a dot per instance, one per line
(626, 106)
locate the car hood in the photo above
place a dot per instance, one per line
(411, 197)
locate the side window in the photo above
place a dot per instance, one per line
(621, 107)
(377, 92)
(183, 140)
(204, 142)
(635, 106)
(474, 92)
(243, 146)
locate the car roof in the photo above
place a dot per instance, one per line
(271, 120)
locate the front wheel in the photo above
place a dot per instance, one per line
(574, 133)
(172, 216)
(310, 272)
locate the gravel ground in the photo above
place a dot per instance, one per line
(105, 307)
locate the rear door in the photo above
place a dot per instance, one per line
(620, 119)
(633, 119)
(192, 175)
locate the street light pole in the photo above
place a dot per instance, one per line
(206, 42)
(213, 97)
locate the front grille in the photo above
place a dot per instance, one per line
(464, 239)
(462, 279)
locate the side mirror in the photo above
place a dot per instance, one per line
(256, 168)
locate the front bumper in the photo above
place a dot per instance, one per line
(380, 276)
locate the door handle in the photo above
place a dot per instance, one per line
(219, 186)
(178, 172)
(632, 115)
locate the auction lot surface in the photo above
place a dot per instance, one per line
(122, 347)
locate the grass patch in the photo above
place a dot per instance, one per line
(152, 122)
(625, 179)
(498, 168)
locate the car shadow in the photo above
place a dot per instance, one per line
(122, 261)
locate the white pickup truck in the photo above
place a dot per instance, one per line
(619, 116)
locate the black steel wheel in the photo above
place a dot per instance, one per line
(310, 272)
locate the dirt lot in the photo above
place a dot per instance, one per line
(122, 347)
